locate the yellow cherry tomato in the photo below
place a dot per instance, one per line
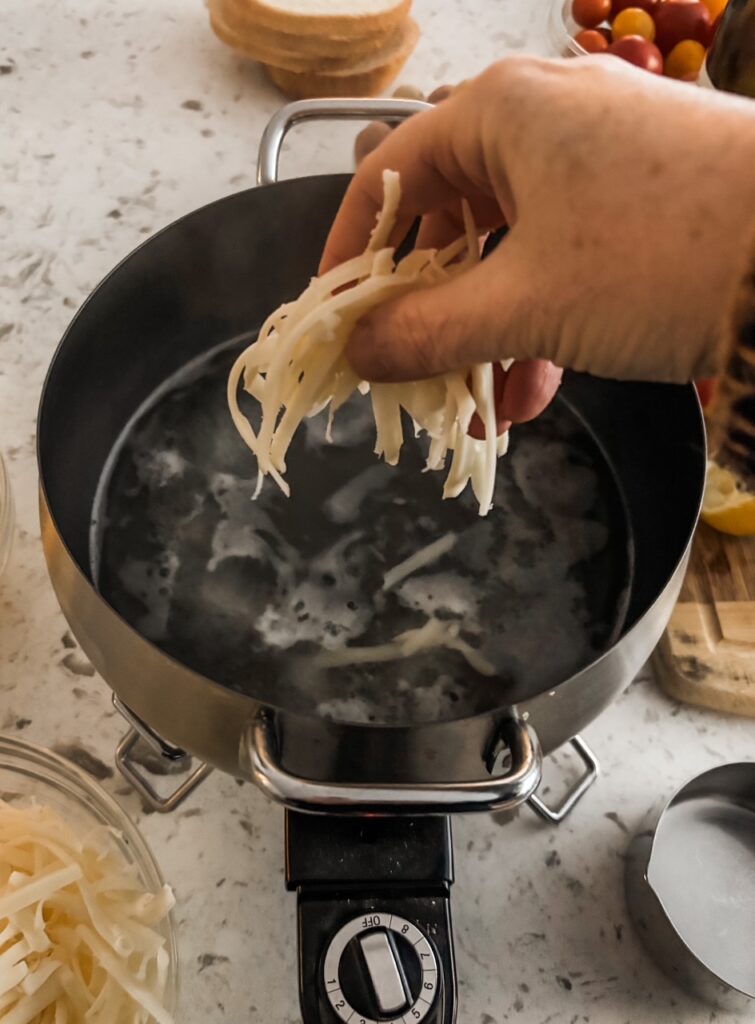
(633, 21)
(715, 7)
(685, 59)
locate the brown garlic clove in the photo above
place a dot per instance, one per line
(408, 92)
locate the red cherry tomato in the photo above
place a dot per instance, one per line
(638, 51)
(590, 13)
(592, 40)
(676, 20)
(617, 6)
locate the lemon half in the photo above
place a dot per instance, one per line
(727, 506)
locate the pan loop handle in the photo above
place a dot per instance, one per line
(324, 110)
(555, 815)
(260, 753)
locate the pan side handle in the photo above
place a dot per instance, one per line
(324, 110)
(260, 753)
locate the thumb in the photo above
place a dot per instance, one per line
(478, 317)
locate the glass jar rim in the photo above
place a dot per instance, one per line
(562, 37)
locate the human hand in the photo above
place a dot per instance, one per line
(629, 199)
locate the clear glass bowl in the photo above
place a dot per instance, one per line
(562, 29)
(30, 773)
(6, 516)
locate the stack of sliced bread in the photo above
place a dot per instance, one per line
(318, 48)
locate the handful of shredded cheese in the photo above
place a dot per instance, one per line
(77, 936)
(296, 367)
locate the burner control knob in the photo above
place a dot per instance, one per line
(385, 976)
(380, 968)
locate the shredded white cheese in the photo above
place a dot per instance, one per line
(425, 556)
(77, 937)
(297, 367)
(434, 633)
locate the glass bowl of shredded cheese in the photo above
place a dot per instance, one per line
(85, 926)
(6, 515)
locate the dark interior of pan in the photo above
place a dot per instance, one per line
(150, 488)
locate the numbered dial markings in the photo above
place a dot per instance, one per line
(422, 950)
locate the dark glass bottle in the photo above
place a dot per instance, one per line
(730, 64)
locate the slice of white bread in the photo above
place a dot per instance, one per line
(311, 85)
(306, 44)
(336, 17)
(398, 43)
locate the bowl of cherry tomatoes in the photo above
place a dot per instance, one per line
(665, 37)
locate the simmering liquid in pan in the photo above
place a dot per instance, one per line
(252, 593)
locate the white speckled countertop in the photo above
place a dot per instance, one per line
(118, 116)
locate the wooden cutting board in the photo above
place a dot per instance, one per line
(707, 654)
